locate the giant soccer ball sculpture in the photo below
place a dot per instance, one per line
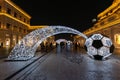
(99, 47)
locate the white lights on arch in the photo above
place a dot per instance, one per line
(27, 46)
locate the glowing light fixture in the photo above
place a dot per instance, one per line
(99, 46)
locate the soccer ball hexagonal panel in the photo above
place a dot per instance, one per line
(92, 50)
(96, 37)
(89, 42)
(103, 51)
(106, 42)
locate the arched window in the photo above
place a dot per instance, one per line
(117, 39)
(7, 42)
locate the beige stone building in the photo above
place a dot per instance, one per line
(14, 23)
(108, 23)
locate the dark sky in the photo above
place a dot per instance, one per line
(77, 14)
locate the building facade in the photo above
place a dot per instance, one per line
(108, 23)
(14, 23)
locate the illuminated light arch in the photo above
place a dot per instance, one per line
(28, 45)
(60, 40)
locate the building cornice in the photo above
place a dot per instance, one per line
(18, 8)
(102, 27)
(7, 15)
(37, 27)
(114, 4)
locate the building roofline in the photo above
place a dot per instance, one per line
(88, 31)
(112, 6)
(18, 8)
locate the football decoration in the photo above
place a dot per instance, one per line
(99, 47)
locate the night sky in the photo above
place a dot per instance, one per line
(77, 14)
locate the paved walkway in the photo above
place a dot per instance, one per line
(63, 67)
(9, 68)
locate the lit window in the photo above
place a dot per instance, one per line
(8, 42)
(19, 39)
(14, 40)
(117, 38)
